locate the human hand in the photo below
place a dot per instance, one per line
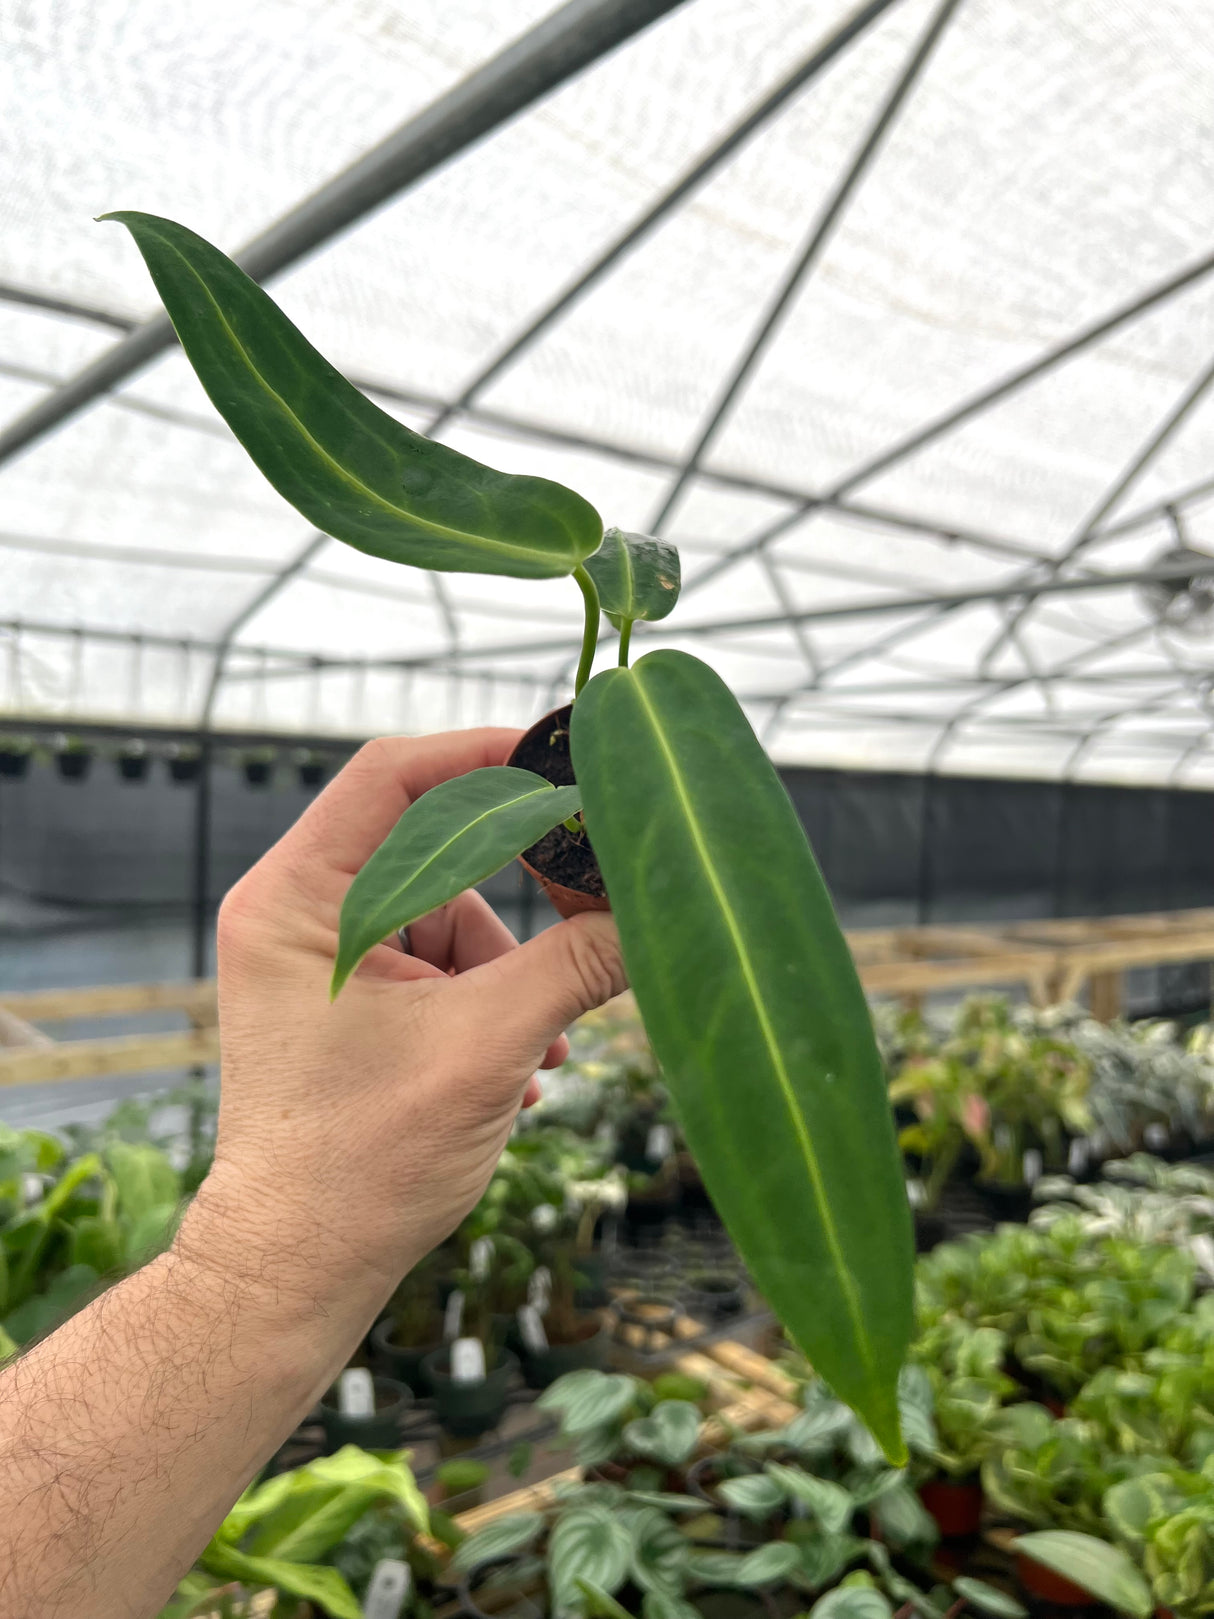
(360, 1133)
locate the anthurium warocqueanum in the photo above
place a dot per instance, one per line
(745, 983)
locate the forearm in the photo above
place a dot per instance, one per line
(126, 1435)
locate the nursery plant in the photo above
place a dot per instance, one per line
(651, 791)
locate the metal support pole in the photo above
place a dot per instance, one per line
(200, 898)
(547, 56)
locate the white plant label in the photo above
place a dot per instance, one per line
(1032, 1166)
(1077, 1156)
(356, 1393)
(453, 1317)
(480, 1258)
(1156, 1136)
(659, 1144)
(531, 1329)
(604, 1133)
(31, 1188)
(467, 1361)
(915, 1193)
(539, 1288)
(387, 1589)
(544, 1217)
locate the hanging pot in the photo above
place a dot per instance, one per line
(184, 767)
(562, 864)
(132, 766)
(14, 763)
(74, 763)
(312, 772)
(258, 772)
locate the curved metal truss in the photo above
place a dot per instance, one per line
(936, 445)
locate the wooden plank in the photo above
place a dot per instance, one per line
(1104, 996)
(117, 1054)
(111, 1000)
(531, 1498)
(922, 977)
(754, 1368)
(939, 941)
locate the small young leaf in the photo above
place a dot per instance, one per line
(452, 837)
(829, 1502)
(987, 1599)
(503, 1538)
(754, 1495)
(635, 576)
(668, 1433)
(1106, 1571)
(349, 467)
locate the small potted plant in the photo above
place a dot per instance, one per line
(258, 766)
(311, 767)
(15, 755)
(411, 1327)
(73, 757)
(749, 994)
(184, 760)
(132, 760)
(364, 1410)
(472, 1376)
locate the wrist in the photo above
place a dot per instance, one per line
(282, 1274)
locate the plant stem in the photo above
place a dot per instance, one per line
(625, 638)
(590, 635)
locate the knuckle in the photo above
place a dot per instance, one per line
(594, 957)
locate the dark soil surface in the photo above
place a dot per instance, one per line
(559, 856)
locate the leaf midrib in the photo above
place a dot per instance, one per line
(468, 826)
(752, 987)
(439, 530)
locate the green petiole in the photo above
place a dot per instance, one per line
(590, 635)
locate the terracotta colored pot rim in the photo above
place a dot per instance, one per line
(566, 902)
(1040, 1581)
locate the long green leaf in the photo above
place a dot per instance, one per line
(457, 834)
(1106, 1571)
(754, 1009)
(635, 576)
(324, 1586)
(348, 466)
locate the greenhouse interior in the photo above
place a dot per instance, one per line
(607, 809)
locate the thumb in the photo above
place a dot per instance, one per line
(526, 997)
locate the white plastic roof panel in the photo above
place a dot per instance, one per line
(1049, 169)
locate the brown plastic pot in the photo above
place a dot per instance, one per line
(957, 1508)
(1040, 1581)
(564, 866)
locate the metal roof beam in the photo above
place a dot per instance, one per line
(808, 256)
(549, 54)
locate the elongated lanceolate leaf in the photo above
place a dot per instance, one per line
(457, 834)
(635, 576)
(1106, 1571)
(348, 466)
(751, 1001)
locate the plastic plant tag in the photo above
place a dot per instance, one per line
(544, 1218)
(453, 1317)
(356, 1393)
(1032, 1166)
(916, 1193)
(659, 1144)
(539, 1288)
(1077, 1156)
(480, 1258)
(1155, 1136)
(531, 1329)
(387, 1589)
(32, 1186)
(467, 1361)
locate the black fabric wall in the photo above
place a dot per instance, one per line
(894, 848)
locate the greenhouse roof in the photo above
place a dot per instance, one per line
(898, 318)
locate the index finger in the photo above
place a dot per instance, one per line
(362, 804)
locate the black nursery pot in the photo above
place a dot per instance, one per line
(1006, 1203)
(467, 1410)
(544, 1366)
(13, 764)
(401, 1361)
(312, 773)
(258, 772)
(563, 865)
(133, 766)
(710, 1296)
(73, 766)
(185, 769)
(381, 1431)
